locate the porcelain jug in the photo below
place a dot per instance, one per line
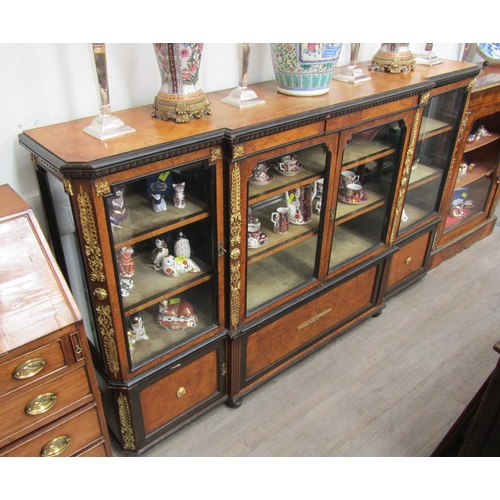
(299, 201)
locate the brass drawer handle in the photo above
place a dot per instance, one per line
(181, 391)
(408, 260)
(29, 368)
(41, 404)
(56, 446)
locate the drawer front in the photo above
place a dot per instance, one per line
(409, 260)
(20, 371)
(177, 393)
(96, 450)
(279, 339)
(32, 409)
(65, 437)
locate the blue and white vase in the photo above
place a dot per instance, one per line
(304, 69)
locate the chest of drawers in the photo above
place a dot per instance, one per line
(49, 399)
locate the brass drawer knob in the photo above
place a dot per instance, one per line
(408, 260)
(41, 404)
(56, 446)
(181, 391)
(29, 368)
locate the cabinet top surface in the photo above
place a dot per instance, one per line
(488, 77)
(34, 300)
(68, 142)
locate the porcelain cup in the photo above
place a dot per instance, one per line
(352, 190)
(289, 163)
(348, 177)
(259, 174)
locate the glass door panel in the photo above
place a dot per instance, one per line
(433, 155)
(369, 168)
(479, 162)
(163, 236)
(283, 220)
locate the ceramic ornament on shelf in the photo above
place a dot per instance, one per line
(176, 266)
(182, 246)
(159, 204)
(176, 314)
(180, 97)
(106, 125)
(137, 330)
(304, 69)
(158, 254)
(179, 195)
(242, 96)
(118, 210)
(352, 74)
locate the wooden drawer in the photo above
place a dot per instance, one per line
(31, 367)
(95, 450)
(280, 339)
(175, 394)
(80, 428)
(66, 392)
(410, 259)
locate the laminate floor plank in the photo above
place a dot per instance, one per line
(390, 387)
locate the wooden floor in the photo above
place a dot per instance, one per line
(391, 387)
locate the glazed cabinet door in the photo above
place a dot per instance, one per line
(476, 178)
(433, 157)
(281, 225)
(164, 230)
(361, 210)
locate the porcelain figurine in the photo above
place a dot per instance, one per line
(182, 248)
(179, 196)
(159, 203)
(137, 330)
(118, 211)
(126, 264)
(176, 314)
(158, 254)
(126, 285)
(175, 266)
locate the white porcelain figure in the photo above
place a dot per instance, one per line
(179, 196)
(182, 248)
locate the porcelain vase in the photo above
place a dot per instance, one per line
(180, 97)
(393, 58)
(304, 69)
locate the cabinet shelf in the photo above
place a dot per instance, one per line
(431, 127)
(151, 287)
(286, 270)
(423, 174)
(347, 211)
(481, 170)
(482, 141)
(143, 222)
(361, 151)
(281, 183)
(161, 339)
(278, 242)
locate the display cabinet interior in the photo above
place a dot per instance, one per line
(287, 257)
(173, 253)
(433, 156)
(369, 170)
(472, 191)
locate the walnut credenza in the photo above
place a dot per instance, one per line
(49, 399)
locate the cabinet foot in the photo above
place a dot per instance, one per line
(377, 314)
(234, 404)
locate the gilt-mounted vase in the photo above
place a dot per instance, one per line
(180, 97)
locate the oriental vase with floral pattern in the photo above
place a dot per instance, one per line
(180, 97)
